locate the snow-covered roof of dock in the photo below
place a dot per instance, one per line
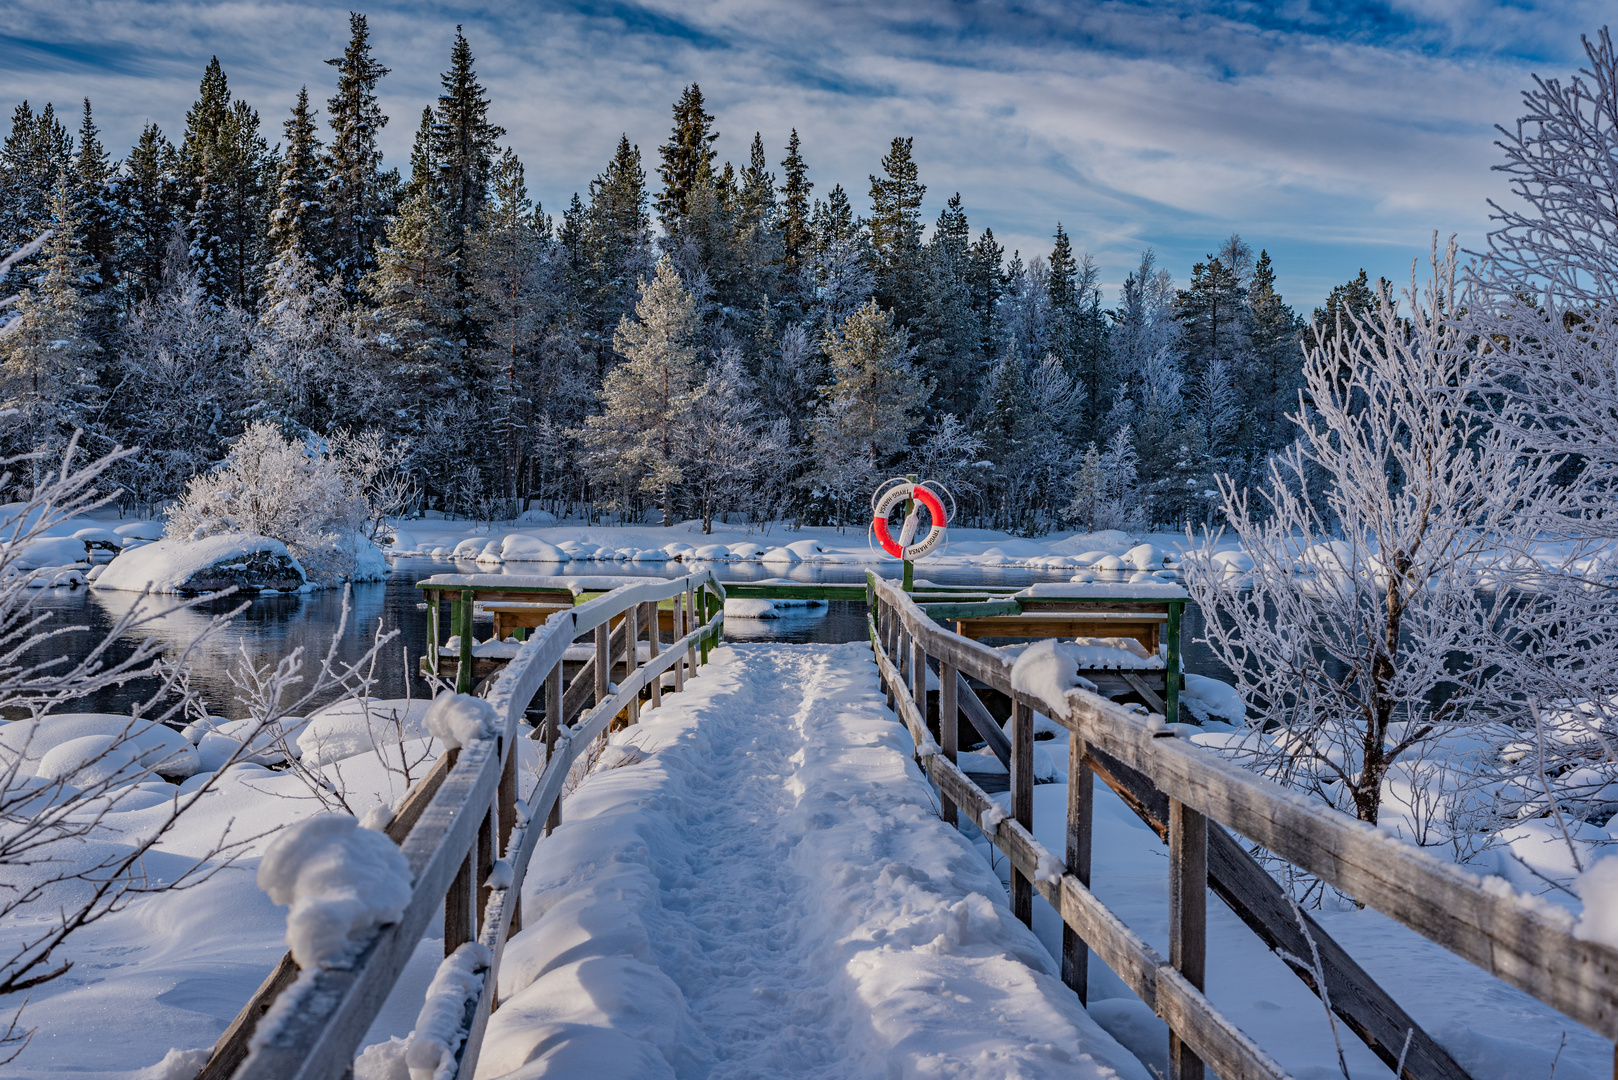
(1106, 590)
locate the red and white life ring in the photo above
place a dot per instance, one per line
(903, 548)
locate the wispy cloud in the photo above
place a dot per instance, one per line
(1338, 135)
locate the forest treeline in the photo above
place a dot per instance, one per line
(705, 340)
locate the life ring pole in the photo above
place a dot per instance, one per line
(907, 580)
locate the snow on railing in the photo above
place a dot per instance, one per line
(1186, 792)
(359, 905)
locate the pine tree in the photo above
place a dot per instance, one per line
(33, 155)
(987, 280)
(617, 245)
(224, 164)
(148, 199)
(896, 230)
(1212, 312)
(44, 351)
(687, 158)
(946, 330)
(297, 224)
(1277, 372)
(96, 204)
(795, 225)
(464, 142)
(356, 191)
(416, 291)
(423, 162)
(872, 370)
(634, 443)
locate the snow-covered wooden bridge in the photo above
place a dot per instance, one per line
(759, 880)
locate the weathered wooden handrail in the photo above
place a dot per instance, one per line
(472, 817)
(1508, 935)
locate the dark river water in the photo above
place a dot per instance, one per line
(272, 627)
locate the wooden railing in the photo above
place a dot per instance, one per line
(1191, 795)
(465, 815)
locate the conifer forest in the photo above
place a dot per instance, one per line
(687, 338)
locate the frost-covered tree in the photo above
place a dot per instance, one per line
(896, 229)
(725, 452)
(416, 292)
(1106, 492)
(795, 209)
(269, 485)
(148, 203)
(870, 405)
(634, 444)
(464, 142)
(225, 167)
(1361, 597)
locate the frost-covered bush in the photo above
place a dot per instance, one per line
(271, 486)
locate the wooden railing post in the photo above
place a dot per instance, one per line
(1080, 812)
(1022, 802)
(463, 675)
(653, 644)
(508, 821)
(485, 865)
(691, 613)
(704, 612)
(1173, 678)
(1188, 917)
(679, 632)
(632, 654)
(603, 662)
(949, 730)
(918, 676)
(553, 731)
(458, 914)
(885, 620)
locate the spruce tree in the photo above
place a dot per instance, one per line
(987, 281)
(415, 289)
(795, 224)
(224, 163)
(149, 200)
(873, 373)
(687, 158)
(1276, 370)
(423, 161)
(297, 224)
(356, 193)
(634, 443)
(617, 246)
(33, 155)
(946, 330)
(45, 350)
(464, 142)
(96, 204)
(896, 230)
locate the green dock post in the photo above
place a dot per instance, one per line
(908, 581)
(1171, 684)
(463, 677)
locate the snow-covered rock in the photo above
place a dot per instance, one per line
(471, 547)
(251, 563)
(746, 550)
(140, 530)
(100, 538)
(155, 747)
(783, 555)
(49, 551)
(1144, 557)
(521, 547)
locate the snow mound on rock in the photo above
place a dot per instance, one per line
(156, 747)
(520, 547)
(49, 551)
(215, 562)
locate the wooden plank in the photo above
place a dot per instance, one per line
(1080, 819)
(1188, 919)
(949, 731)
(1259, 901)
(1046, 626)
(1022, 803)
(983, 722)
(971, 610)
(1138, 684)
(553, 729)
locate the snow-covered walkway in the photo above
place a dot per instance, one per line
(768, 892)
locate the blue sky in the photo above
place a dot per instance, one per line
(1334, 135)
